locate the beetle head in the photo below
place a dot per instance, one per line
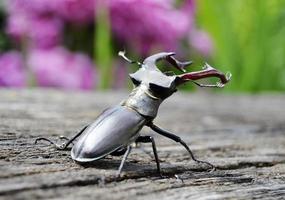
(162, 85)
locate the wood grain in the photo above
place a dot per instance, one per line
(244, 136)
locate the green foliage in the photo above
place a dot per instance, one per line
(249, 39)
(103, 48)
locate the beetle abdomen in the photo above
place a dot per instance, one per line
(116, 127)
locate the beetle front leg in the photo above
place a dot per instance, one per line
(64, 145)
(178, 139)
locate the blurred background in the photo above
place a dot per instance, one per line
(73, 44)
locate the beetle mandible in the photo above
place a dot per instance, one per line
(113, 132)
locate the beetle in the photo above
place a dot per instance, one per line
(113, 132)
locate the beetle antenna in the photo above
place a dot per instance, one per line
(123, 55)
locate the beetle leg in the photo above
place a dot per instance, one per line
(178, 139)
(149, 139)
(129, 148)
(64, 145)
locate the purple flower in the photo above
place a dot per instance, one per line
(41, 21)
(76, 11)
(58, 67)
(12, 72)
(201, 41)
(45, 32)
(42, 32)
(17, 26)
(35, 7)
(149, 24)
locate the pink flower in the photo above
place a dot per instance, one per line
(201, 41)
(45, 32)
(17, 26)
(58, 67)
(76, 11)
(12, 72)
(42, 32)
(41, 21)
(148, 24)
(35, 7)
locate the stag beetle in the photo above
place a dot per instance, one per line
(113, 132)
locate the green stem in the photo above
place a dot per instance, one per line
(103, 47)
(31, 79)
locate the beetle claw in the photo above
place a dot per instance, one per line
(118, 176)
(102, 181)
(61, 146)
(212, 170)
(160, 176)
(212, 167)
(178, 178)
(62, 137)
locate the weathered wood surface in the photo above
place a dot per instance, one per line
(244, 136)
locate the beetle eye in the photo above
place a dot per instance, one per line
(169, 73)
(159, 90)
(135, 82)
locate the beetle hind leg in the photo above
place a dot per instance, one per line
(149, 139)
(128, 151)
(64, 145)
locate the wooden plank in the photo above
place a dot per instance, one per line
(242, 135)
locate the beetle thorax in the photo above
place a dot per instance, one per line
(143, 101)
